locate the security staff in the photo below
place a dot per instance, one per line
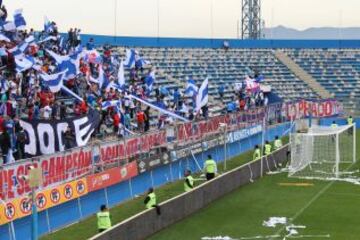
(350, 120)
(334, 125)
(210, 168)
(277, 143)
(189, 181)
(103, 219)
(150, 201)
(267, 148)
(257, 152)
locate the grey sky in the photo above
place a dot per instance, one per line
(182, 18)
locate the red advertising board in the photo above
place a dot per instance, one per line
(111, 176)
(56, 168)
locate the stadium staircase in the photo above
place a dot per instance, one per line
(302, 74)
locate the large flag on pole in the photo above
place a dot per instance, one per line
(130, 58)
(19, 20)
(202, 97)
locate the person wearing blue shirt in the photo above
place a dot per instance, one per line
(221, 90)
(177, 97)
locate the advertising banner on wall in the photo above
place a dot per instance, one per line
(21, 207)
(111, 176)
(56, 168)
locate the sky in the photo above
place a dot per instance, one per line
(182, 18)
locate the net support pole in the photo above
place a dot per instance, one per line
(354, 147)
(337, 155)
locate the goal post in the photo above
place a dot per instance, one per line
(323, 152)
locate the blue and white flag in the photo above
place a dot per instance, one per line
(130, 58)
(19, 50)
(70, 64)
(48, 39)
(24, 63)
(140, 62)
(202, 97)
(4, 38)
(191, 88)
(149, 81)
(54, 81)
(8, 26)
(19, 19)
(48, 27)
(107, 104)
(121, 74)
(260, 78)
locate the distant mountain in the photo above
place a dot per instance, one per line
(282, 32)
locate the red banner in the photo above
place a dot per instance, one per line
(111, 176)
(56, 168)
(305, 108)
(114, 151)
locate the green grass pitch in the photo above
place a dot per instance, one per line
(324, 208)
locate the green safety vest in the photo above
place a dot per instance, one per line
(210, 166)
(278, 144)
(103, 220)
(334, 125)
(257, 154)
(152, 200)
(350, 121)
(191, 181)
(267, 149)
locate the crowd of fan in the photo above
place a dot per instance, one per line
(24, 96)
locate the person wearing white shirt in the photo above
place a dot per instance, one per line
(47, 112)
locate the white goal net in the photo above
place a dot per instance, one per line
(323, 152)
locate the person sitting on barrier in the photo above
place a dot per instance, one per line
(257, 152)
(277, 143)
(103, 218)
(189, 181)
(268, 148)
(150, 201)
(210, 168)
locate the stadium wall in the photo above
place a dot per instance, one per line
(340, 121)
(58, 217)
(218, 43)
(147, 223)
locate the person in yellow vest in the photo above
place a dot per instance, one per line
(103, 219)
(150, 201)
(267, 149)
(334, 125)
(189, 181)
(257, 153)
(350, 121)
(210, 168)
(277, 143)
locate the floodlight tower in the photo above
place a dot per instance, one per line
(251, 19)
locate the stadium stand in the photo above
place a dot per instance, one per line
(338, 70)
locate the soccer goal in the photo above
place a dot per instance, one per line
(323, 152)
